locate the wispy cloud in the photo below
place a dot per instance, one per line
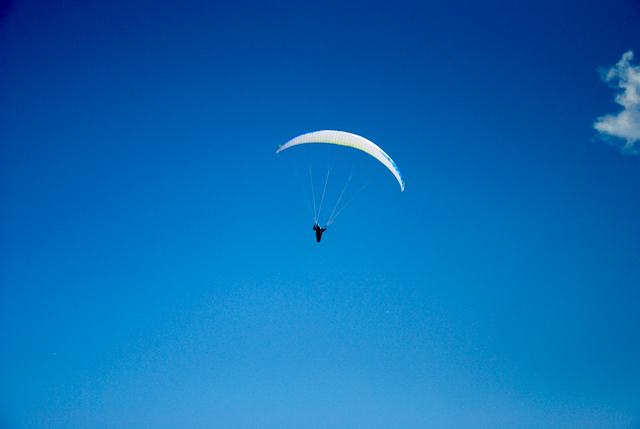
(624, 127)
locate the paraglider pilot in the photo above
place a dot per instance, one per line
(318, 231)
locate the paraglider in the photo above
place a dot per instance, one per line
(339, 138)
(318, 231)
(344, 138)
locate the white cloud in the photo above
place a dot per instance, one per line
(626, 124)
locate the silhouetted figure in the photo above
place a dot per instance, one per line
(318, 231)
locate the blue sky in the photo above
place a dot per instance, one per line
(157, 263)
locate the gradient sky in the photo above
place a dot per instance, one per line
(157, 263)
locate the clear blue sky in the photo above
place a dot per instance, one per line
(158, 267)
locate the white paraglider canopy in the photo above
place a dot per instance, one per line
(344, 138)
